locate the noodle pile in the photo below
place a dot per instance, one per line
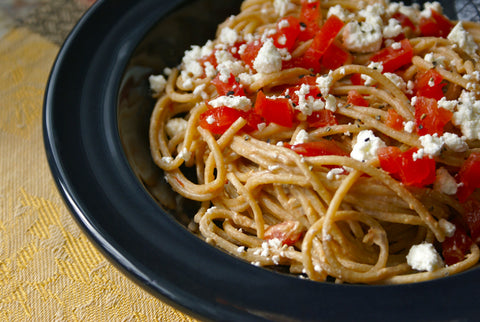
(341, 216)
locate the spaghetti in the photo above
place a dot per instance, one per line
(339, 139)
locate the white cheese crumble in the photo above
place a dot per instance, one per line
(324, 83)
(454, 143)
(424, 257)
(302, 137)
(157, 83)
(432, 144)
(340, 12)
(229, 36)
(335, 173)
(369, 81)
(393, 29)
(467, 116)
(238, 102)
(464, 40)
(362, 37)
(281, 7)
(446, 104)
(444, 182)
(397, 80)
(409, 126)
(269, 59)
(366, 146)
(307, 105)
(447, 227)
(175, 125)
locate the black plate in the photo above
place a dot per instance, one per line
(97, 80)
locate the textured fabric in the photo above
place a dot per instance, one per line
(49, 271)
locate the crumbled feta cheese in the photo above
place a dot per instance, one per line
(157, 83)
(428, 7)
(444, 182)
(464, 40)
(330, 103)
(366, 146)
(239, 102)
(436, 61)
(229, 36)
(175, 125)
(409, 126)
(467, 116)
(432, 144)
(335, 173)
(378, 66)
(340, 12)
(424, 257)
(310, 104)
(446, 104)
(269, 59)
(418, 155)
(362, 37)
(454, 143)
(301, 137)
(396, 45)
(191, 65)
(447, 227)
(397, 80)
(393, 29)
(210, 119)
(324, 83)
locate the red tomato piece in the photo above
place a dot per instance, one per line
(437, 25)
(472, 218)
(430, 84)
(404, 20)
(230, 87)
(402, 166)
(357, 79)
(392, 59)
(218, 120)
(317, 148)
(429, 118)
(278, 110)
(250, 52)
(335, 56)
(322, 118)
(455, 248)
(288, 29)
(288, 232)
(355, 98)
(468, 176)
(394, 120)
(310, 16)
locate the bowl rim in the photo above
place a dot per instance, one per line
(96, 182)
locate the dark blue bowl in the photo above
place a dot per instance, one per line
(96, 114)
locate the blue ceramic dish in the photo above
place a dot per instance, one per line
(95, 119)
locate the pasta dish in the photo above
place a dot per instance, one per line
(337, 139)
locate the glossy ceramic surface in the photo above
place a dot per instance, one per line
(96, 113)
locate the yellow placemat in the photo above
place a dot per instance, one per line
(49, 271)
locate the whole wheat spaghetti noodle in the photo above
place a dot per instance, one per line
(337, 139)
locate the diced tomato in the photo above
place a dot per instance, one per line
(402, 166)
(429, 118)
(310, 16)
(314, 91)
(288, 232)
(335, 56)
(472, 218)
(430, 84)
(456, 247)
(355, 98)
(288, 29)
(392, 59)
(235, 49)
(230, 87)
(437, 25)
(308, 61)
(278, 110)
(357, 79)
(322, 118)
(317, 148)
(250, 52)
(209, 59)
(394, 120)
(218, 120)
(326, 35)
(468, 176)
(404, 20)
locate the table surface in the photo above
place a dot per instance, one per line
(49, 271)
